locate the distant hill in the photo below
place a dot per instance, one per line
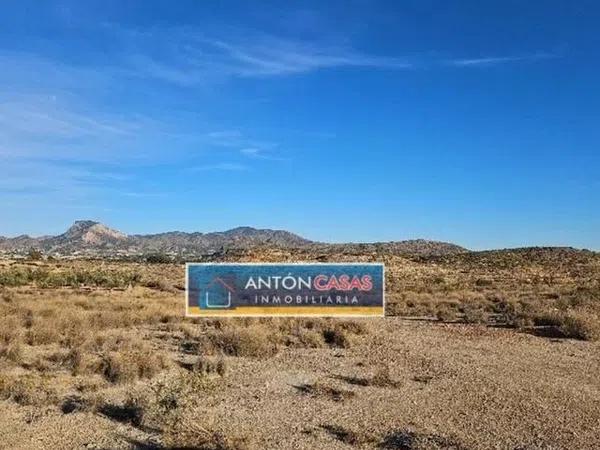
(89, 238)
(515, 257)
(413, 247)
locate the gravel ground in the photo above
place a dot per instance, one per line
(448, 386)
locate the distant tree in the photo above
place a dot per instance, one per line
(158, 258)
(34, 254)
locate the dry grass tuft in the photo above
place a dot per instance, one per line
(381, 378)
(140, 362)
(475, 314)
(28, 389)
(7, 296)
(12, 351)
(208, 366)
(446, 312)
(581, 325)
(254, 342)
(187, 433)
(160, 284)
(77, 334)
(42, 333)
(11, 346)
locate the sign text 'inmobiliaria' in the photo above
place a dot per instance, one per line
(258, 289)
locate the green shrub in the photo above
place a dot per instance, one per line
(158, 258)
(34, 254)
(22, 276)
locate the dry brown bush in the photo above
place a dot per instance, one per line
(89, 384)
(160, 284)
(27, 389)
(445, 313)
(209, 366)
(188, 433)
(336, 337)
(131, 364)
(352, 326)
(300, 333)
(42, 332)
(161, 402)
(254, 341)
(10, 330)
(305, 339)
(12, 351)
(78, 403)
(551, 318)
(475, 314)
(85, 338)
(7, 296)
(581, 325)
(382, 378)
(74, 330)
(177, 391)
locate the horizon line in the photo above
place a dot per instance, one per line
(311, 241)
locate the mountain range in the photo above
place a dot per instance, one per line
(89, 238)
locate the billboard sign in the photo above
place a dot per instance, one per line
(287, 289)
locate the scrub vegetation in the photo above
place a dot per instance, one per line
(107, 341)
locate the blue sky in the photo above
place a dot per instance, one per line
(471, 122)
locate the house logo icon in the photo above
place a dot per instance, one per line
(218, 294)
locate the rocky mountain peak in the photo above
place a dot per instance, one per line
(79, 227)
(91, 238)
(92, 232)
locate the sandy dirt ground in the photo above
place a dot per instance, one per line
(449, 386)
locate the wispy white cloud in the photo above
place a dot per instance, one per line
(235, 139)
(225, 138)
(37, 177)
(46, 116)
(259, 153)
(229, 167)
(496, 60)
(250, 148)
(272, 56)
(54, 108)
(188, 56)
(53, 125)
(35, 72)
(145, 194)
(250, 151)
